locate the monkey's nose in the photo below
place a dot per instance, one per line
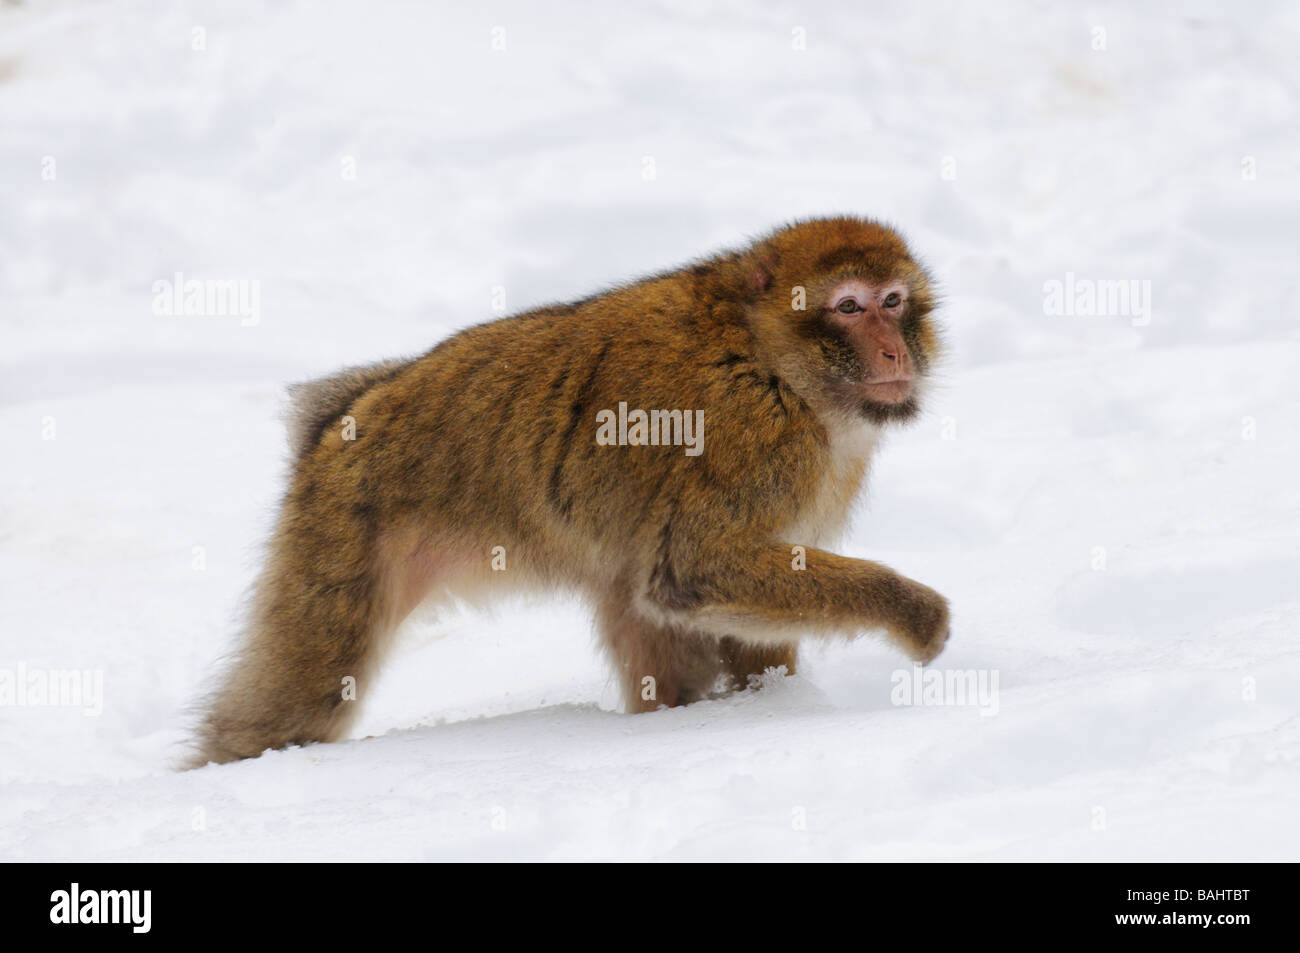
(889, 356)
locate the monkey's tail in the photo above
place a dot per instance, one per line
(316, 405)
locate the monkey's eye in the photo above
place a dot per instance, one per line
(893, 299)
(847, 306)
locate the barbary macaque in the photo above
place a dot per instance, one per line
(675, 449)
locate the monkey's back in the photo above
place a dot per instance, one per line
(492, 432)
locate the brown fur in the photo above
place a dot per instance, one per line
(489, 440)
(315, 405)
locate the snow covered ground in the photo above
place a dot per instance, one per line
(1110, 502)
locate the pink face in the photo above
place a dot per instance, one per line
(870, 315)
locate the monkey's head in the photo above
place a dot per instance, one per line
(842, 311)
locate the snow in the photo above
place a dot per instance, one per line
(1111, 505)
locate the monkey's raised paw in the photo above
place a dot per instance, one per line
(922, 626)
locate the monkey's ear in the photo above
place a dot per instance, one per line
(764, 271)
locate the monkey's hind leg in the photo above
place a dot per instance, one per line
(324, 604)
(656, 664)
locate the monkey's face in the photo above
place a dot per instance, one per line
(860, 332)
(848, 313)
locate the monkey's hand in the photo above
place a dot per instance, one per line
(918, 620)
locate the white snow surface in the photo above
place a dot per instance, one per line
(1112, 506)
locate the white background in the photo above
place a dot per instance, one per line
(1147, 709)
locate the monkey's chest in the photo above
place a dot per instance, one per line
(825, 512)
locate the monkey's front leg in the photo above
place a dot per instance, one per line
(658, 664)
(760, 593)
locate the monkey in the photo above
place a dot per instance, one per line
(476, 469)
